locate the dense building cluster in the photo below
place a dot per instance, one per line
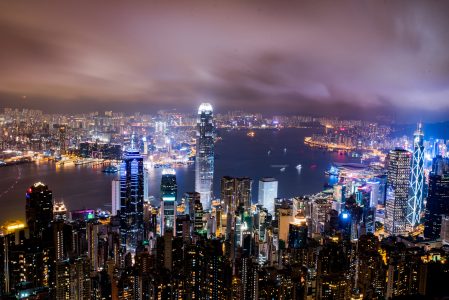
(370, 235)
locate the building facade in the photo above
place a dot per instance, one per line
(204, 165)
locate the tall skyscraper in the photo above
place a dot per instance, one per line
(398, 183)
(437, 203)
(39, 209)
(204, 165)
(169, 192)
(415, 201)
(268, 191)
(131, 199)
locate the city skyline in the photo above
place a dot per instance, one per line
(224, 150)
(306, 57)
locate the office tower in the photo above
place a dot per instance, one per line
(268, 191)
(115, 198)
(415, 201)
(39, 209)
(235, 192)
(169, 192)
(437, 204)
(204, 165)
(398, 183)
(131, 199)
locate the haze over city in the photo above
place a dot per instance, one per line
(224, 150)
(357, 57)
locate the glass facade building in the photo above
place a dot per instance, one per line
(204, 165)
(131, 200)
(169, 192)
(398, 183)
(415, 201)
(268, 191)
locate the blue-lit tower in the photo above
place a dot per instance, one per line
(131, 199)
(204, 166)
(415, 201)
(169, 192)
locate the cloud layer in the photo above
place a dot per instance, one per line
(272, 56)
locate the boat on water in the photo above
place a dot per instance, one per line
(251, 134)
(283, 169)
(285, 150)
(298, 167)
(110, 169)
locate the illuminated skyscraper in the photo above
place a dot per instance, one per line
(39, 209)
(437, 199)
(415, 201)
(169, 191)
(398, 183)
(131, 199)
(268, 191)
(204, 165)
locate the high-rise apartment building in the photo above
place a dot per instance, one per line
(235, 192)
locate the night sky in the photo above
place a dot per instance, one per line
(348, 58)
